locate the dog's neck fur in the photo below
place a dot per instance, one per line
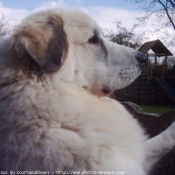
(18, 75)
(22, 89)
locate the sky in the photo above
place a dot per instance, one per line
(32, 4)
(105, 12)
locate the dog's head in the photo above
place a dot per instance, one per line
(72, 45)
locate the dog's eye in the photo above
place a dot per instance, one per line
(94, 40)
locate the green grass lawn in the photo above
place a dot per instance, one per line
(158, 109)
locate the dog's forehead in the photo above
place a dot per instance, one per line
(71, 17)
(80, 25)
(79, 18)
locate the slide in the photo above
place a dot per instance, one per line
(168, 88)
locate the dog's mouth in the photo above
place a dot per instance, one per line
(106, 90)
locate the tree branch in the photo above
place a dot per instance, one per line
(168, 15)
(172, 3)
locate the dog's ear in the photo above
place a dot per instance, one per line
(44, 40)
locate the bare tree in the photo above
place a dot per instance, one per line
(125, 36)
(163, 14)
(4, 27)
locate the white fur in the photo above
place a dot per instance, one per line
(59, 121)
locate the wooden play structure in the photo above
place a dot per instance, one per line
(157, 60)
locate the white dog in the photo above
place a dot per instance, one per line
(55, 70)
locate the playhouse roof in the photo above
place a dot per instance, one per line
(157, 47)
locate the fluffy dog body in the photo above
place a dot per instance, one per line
(53, 70)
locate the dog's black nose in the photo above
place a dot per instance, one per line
(141, 58)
